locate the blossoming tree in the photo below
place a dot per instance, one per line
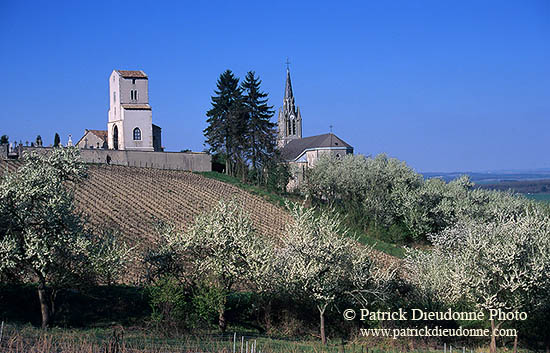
(503, 265)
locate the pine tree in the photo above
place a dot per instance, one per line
(261, 134)
(56, 140)
(226, 121)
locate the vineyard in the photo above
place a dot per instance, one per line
(132, 199)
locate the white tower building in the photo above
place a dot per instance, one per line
(130, 125)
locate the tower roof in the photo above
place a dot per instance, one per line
(288, 85)
(132, 73)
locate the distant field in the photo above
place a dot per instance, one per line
(490, 178)
(527, 187)
(539, 197)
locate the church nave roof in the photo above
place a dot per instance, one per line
(294, 148)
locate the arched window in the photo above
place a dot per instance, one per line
(115, 137)
(137, 134)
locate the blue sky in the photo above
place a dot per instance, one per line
(443, 85)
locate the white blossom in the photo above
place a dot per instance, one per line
(503, 264)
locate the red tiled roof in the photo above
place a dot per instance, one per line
(102, 134)
(132, 73)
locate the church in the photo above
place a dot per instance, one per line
(130, 124)
(131, 138)
(301, 152)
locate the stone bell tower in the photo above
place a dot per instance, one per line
(130, 125)
(290, 120)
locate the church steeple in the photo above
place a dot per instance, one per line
(288, 86)
(290, 120)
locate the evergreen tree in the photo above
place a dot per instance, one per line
(56, 140)
(225, 132)
(260, 131)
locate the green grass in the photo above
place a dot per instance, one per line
(380, 245)
(267, 195)
(141, 341)
(281, 200)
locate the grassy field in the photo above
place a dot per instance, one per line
(26, 339)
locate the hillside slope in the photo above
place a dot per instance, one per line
(130, 199)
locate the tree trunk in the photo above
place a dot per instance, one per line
(267, 316)
(516, 344)
(227, 166)
(45, 310)
(493, 346)
(222, 324)
(322, 324)
(228, 159)
(53, 295)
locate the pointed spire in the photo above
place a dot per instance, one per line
(288, 86)
(290, 119)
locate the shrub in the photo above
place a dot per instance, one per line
(169, 301)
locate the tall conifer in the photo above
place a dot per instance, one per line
(260, 131)
(225, 120)
(56, 140)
